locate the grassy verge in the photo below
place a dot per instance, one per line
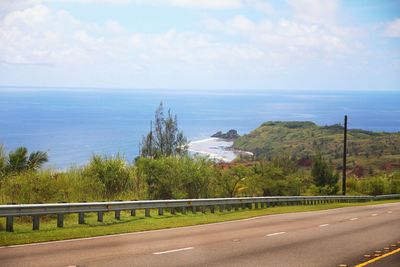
(49, 232)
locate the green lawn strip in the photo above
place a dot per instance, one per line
(23, 233)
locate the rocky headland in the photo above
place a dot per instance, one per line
(230, 135)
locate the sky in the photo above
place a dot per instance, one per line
(201, 44)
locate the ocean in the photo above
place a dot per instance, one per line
(72, 124)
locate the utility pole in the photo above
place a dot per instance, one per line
(344, 155)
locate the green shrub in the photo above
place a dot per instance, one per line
(112, 172)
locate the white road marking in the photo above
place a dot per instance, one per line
(374, 214)
(389, 211)
(353, 219)
(323, 225)
(278, 233)
(174, 250)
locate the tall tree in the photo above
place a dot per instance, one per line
(322, 173)
(164, 137)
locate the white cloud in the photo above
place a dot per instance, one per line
(207, 4)
(35, 34)
(43, 36)
(315, 11)
(259, 5)
(7, 6)
(112, 2)
(39, 35)
(392, 29)
(287, 40)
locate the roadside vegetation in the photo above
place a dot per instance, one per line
(174, 177)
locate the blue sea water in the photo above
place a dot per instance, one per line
(74, 124)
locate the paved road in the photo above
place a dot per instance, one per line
(323, 238)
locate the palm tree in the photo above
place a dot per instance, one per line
(37, 159)
(18, 160)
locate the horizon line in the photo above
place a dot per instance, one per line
(91, 88)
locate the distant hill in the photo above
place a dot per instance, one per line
(367, 151)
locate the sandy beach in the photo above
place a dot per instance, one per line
(214, 148)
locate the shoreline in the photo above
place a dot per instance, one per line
(218, 149)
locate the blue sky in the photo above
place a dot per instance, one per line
(201, 44)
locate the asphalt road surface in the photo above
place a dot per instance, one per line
(322, 238)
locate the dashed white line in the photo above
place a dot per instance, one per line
(174, 250)
(374, 214)
(278, 233)
(353, 219)
(323, 225)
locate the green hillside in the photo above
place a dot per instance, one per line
(368, 151)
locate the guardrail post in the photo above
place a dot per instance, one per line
(10, 224)
(183, 210)
(147, 212)
(212, 209)
(221, 208)
(160, 211)
(35, 222)
(194, 209)
(81, 218)
(117, 215)
(60, 220)
(100, 216)
(236, 206)
(133, 212)
(256, 205)
(250, 206)
(172, 211)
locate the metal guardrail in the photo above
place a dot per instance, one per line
(36, 210)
